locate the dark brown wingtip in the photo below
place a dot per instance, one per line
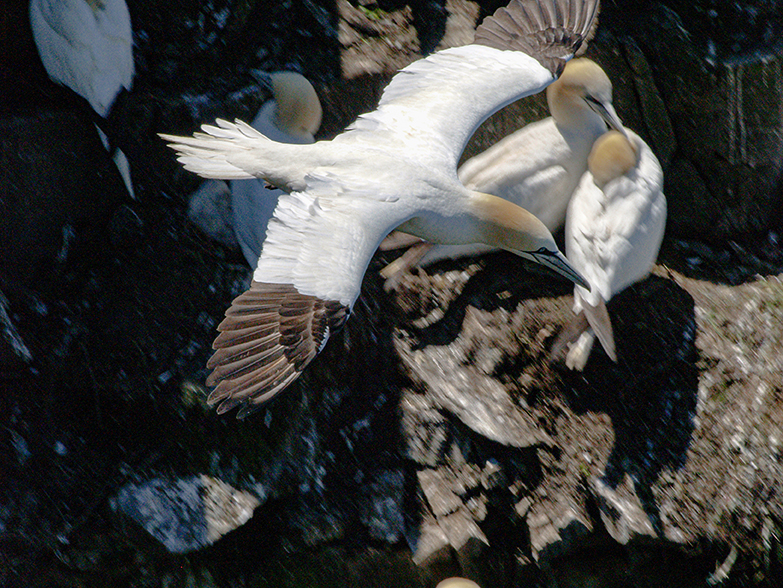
(270, 333)
(551, 31)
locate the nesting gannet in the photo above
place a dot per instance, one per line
(614, 227)
(87, 45)
(539, 166)
(293, 116)
(457, 583)
(395, 166)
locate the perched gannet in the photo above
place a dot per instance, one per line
(614, 227)
(539, 166)
(292, 116)
(395, 166)
(457, 583)
(87, 45)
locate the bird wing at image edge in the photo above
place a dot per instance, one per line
(270, 333)
(551, 31)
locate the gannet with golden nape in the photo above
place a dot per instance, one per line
(539, 166)
(614, 228)
(457, 583)
(396, 165)
(292, 116)
(87, 45)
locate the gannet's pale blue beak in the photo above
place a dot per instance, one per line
(555, 261)
(606, 111)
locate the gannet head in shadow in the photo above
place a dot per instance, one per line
(581, 95)
(294, 113)
(298, 111)
(511, 227)
(457, 583)
(612, 156)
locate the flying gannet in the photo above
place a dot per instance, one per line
(394, 166)
(537, 167)
(87, 45)
(614, 228)
(292, 116)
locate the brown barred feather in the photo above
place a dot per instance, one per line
(551, 31)
(270, 333)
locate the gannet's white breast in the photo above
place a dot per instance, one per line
(613, 234)
(533, 167)
(87, 46)
(322, 238)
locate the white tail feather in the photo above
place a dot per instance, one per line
(236, 151)
(598, 318)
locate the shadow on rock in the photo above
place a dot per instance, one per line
(503, 282)
(651, 393)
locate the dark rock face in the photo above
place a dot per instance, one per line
(433, 437)
(709, 95)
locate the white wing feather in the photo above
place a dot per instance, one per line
(314, 243)
(435, 104)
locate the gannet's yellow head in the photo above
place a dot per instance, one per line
(511, 227)
(583, 87)
(298, 110)
(457, 583)
(612, 156)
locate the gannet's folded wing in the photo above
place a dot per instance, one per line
(436, 103)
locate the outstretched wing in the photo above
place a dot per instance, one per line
(270, 333)
(309, 275)
(437, 102)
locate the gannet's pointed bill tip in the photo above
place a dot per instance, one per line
(270, 334)
(608, 113)
(555, 261)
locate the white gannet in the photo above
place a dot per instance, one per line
(87, 45)
(457, 583)
(395, 166)
(292, 116)
(614, 228)
(537, 167)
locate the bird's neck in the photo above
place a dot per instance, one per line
(578, 119)
(503, 224)
(572, 115)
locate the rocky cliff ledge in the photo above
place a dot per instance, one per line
(433, 437)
